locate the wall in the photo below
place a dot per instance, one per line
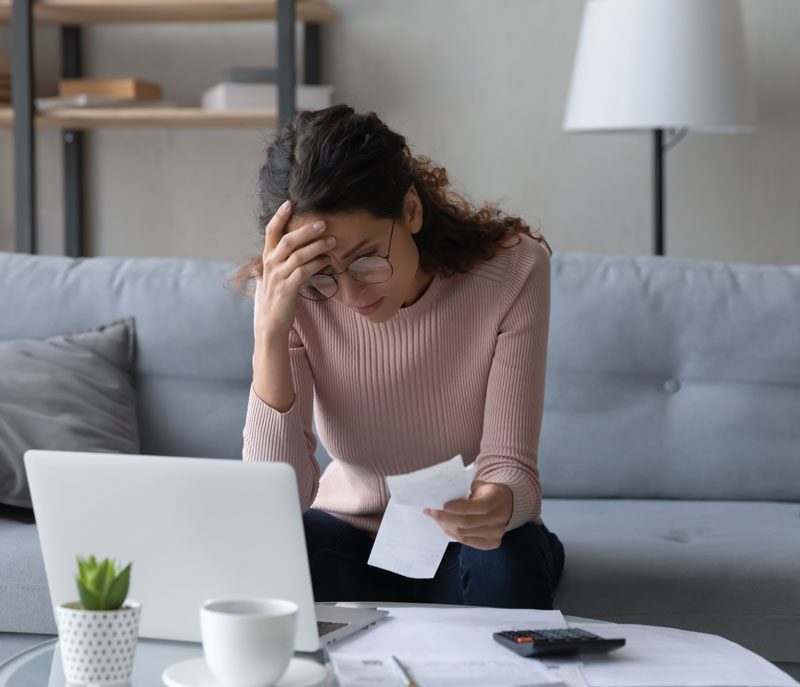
(478, 86)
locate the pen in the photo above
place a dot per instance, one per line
(408, 679)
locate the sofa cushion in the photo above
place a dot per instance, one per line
(24, 596)
(71, 393)
(672, 378)
(728, 568)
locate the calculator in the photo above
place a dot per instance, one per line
(540, 643)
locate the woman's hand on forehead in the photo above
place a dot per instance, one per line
(298, 221)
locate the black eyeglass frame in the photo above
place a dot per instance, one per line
(333, 275)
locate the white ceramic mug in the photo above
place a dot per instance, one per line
(248, 642)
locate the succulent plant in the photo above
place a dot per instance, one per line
(100, 585)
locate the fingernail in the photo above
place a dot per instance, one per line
(319, 226)
(285, 205)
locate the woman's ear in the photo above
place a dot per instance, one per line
(412, 210)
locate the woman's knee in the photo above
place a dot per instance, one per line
(325, 532)
(337, 554)
(523, 572)
(317, 528)
(558, 554)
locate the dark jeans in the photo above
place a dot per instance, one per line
(522, 573)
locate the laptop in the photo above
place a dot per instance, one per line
(193, 528)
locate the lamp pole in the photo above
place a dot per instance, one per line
(658, 191)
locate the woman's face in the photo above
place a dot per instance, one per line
(358, 234)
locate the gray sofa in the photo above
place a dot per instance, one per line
(670, 448)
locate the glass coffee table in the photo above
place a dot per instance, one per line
(40, 666)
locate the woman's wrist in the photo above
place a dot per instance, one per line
(272, 381)
(268, 339)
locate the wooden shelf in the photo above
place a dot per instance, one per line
(112, 11)
(148, 117)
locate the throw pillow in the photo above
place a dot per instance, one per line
(70, 393)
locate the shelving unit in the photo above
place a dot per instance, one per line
(71, 15)
(161, 117)
(116, 11)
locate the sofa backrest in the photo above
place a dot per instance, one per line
(672, 378)
(666, 378)
(193, 338)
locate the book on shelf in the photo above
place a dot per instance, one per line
(120, 89)
(84, 100)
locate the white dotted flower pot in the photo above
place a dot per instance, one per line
(97, 647)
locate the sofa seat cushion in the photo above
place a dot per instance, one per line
(730, 568)
(24, 597)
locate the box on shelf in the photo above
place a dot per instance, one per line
(121, 89)
(255, 96)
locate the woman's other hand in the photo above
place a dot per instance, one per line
(480, 520)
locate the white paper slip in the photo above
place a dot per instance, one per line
(433, 486)
(664, 657)
(409, 542)
(361, 671)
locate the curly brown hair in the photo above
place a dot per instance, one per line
(337, 160)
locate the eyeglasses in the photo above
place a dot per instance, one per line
(370, 269)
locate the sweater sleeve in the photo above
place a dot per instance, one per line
(270, 435)
(515, 390)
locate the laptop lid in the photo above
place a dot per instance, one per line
(194, 529)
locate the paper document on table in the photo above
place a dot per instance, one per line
(358, 671)
(475, 673)
(409, 542)
(446, 633)
(664, 657)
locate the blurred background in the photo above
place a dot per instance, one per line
(480, 87)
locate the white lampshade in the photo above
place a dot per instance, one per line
(661, 64)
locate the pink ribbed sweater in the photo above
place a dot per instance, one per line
(461, 370)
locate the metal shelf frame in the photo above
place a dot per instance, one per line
(24, 129)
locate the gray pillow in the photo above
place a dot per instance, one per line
(69, 393)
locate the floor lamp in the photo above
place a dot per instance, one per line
(663, 65)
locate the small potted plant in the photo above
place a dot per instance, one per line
(97, 635)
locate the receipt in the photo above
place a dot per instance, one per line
(409, 542)
(362, 671)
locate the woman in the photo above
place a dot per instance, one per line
(417, 327)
